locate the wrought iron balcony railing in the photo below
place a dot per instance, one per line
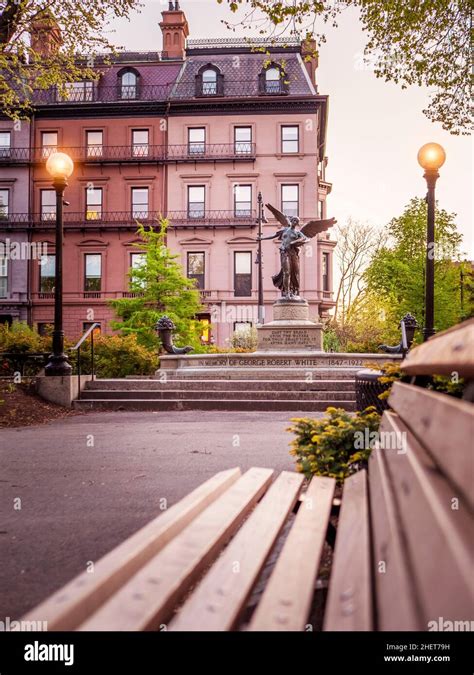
(99, 93)
(94, 220)
(139, 153)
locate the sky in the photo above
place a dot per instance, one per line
(375, 128)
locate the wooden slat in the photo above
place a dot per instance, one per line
(444, 425)
(445, 353)
(349, 602)
(219, 599)
(73, 603)
(148, 598)
(286, 601)
(395, 597)
(438, 536)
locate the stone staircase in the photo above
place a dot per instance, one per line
(251, 389)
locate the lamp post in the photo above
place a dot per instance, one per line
(260, 221)
(431, 157)
(60, 167)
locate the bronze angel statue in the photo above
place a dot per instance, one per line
(291, 239)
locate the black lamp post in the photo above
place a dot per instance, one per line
(260, 221)
(60, 167)
(431, 157)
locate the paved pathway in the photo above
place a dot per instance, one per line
(88, 482)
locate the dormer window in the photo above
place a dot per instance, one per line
(128, 84)
(209, 81)
(272, 80)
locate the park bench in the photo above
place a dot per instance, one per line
(402, 555)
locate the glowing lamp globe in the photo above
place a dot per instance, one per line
(59, 165)
(431, 156)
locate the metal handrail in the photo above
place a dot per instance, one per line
(77, 347)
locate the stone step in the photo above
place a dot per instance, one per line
(219, 385)
(212, 404)
(302, 374)
(227, 395)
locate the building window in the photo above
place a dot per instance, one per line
(93, 272)
(242, 327)
(95, 141)
(137, 260)
(49, 143)
(44, 329)
(209, 82)
(3, 276)
(196, 268)
(129, 85)
(197, 140)
(79, 91)
(4, 203)
(140, 142)
(326, 271)
(93, 203)
(290, 139)
(290, 200)
(242, 201)
(242, 273)
(48, 204)
(47, 268)
(140, 202)
(87, 324)
(5, 144)
(196, 201)
(243, 140)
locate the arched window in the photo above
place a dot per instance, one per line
(272, 80)
(209, 81)
(128, 84)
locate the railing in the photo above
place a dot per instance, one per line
(99, 93)
(77, 347)
(239, 151)
(212, 43)
(86, 295)
(94, 220)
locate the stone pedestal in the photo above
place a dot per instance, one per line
(291, 330)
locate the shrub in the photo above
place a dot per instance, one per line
(326, 447)
(121, 356)
(19, 338)
(244, 340)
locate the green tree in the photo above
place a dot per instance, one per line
(80, 30)
(160, 288)
(396, 274)
(409, 42)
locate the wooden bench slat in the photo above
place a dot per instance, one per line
(72, 604)
(286, 601)
(437, 537)
(394, 592)
(219, 599)
(349, 602)
(148, 598)
(444, 353)
(445, 427)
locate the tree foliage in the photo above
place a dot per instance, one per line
(396, 274)
(160, 288)
(83, 32)
(409, 42)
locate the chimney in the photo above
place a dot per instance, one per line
(45, 35)
(175, 30)
(310, 58)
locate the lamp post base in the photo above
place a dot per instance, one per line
(58, 365)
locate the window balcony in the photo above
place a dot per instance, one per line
(10, 156)
(78, 296)
(124, 219)
(143, 153)
(98, 93)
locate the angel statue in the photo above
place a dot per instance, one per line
(291, 239)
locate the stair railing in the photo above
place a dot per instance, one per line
(77, 347)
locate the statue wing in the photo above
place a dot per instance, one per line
(314, 227)
(282, 219)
